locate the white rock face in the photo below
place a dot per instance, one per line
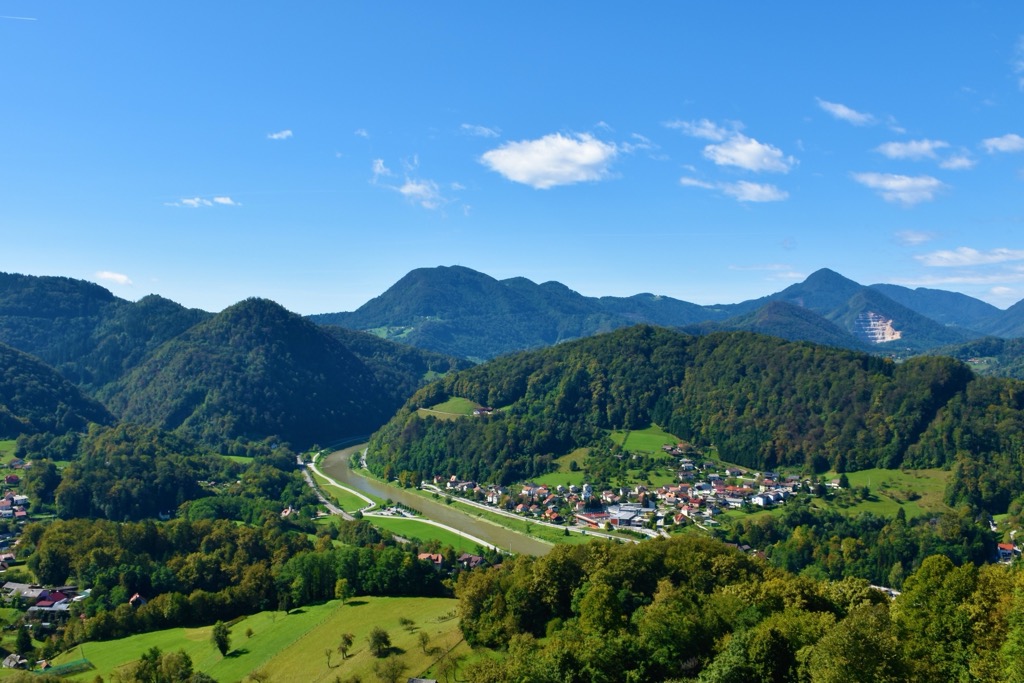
(876, 329)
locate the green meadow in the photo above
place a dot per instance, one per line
(420, 530)
(294, 646)
(564, 475)
(917, 492)
(648, 440)
(451, 409)
(7, 447)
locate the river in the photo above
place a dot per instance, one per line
(336, 466)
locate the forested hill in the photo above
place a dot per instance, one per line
(256, 370)
(81, 329)
(763, 402)
(458, 311)
(34, 398)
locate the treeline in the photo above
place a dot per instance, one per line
(760, 401)
(196, 572)
(829, 544)
(691, 609)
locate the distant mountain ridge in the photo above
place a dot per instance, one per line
(459, 311)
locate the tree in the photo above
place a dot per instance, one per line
(345, 644)
(221, 637)
(342, 590)
(390, 670)
(380, 641)
(23, 644)
(406, 623)
(424, 639)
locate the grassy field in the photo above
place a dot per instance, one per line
(564, 474)
(411, 528)
(451, 409)
(292, 647)
(348, 502)
(918, 492)
(648, 440)
(7, 450)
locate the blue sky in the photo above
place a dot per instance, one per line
(314, 153)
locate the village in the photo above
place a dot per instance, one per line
(703, 490)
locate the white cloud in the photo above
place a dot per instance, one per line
(361, 132)
(422, 192)
(742, 191)
(279, 135)
(116, 278)
(552, 160)
(912, 149)
(958, 162)
(1002, 291)
(480, 131)
(195, 202)
(703, 129)
(913, 238)
(902, 189)
(754, 192)
(844, 113)
(745, 152)
(380, 170)
(200, 202)
(1006, 143)
(693, 182)
(966, 256)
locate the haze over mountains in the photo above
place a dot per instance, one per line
(256, 370)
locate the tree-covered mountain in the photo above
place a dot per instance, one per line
(84, 331)
(34, 398)
(786, 321)
(760, 401)
(462, 312)
(256, 370)
(458, 311)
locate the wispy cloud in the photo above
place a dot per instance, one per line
(914, 238)
(116, 278)
(844, 113)
(912, 149)
(966, 257)
(703, 129)
(901, 189)
(5, 16)
(422, 192)
(553, 160)
(958, 162)
(742, 191)
(747, 153)
(361, 133)
(279, 135)
(1010, 142)
(380, 170)
(200, 202)
(480, 131)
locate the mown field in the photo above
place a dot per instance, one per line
(422, 531)
(451, 409)
(7, 447)
(294, 647)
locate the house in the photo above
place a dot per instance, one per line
(1006, 551)
(12, 480)
(435, 559)
(137, 600)
(467, 561)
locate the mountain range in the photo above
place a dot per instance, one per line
(256, 370)
(465, 313)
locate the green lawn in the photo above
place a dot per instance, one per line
(564, 475)
(918, 492)
(292, 647)
(648, 440)
(7, 447)
(349, 502)
(451, 409)
(413, 529)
